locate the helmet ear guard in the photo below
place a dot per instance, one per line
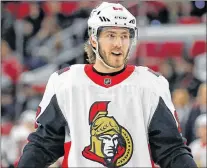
(93, 38)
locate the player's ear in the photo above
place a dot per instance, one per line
(93, 41)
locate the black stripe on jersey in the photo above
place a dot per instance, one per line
(52, 115)
(46, 145)
(166, 143)
(153, 72)
(63, 70)
(109, 74)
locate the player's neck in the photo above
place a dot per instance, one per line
(100, 67)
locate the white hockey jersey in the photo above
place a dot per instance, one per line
(108, 120)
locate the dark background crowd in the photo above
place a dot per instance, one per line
(38, 38)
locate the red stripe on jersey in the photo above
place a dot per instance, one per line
(37, 114)
(177, 119)
(108, 81)
(152, 162)
(67, 146)
(16, 162)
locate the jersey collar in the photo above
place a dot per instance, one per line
(108, 80)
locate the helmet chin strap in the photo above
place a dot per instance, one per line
(105, 64)
(96, 51)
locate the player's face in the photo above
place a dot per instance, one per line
(114, 45)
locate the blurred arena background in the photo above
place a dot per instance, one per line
(38, 38)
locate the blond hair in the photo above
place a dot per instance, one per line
(90, 53)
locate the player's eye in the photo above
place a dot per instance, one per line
(125, 36)
(111, 35)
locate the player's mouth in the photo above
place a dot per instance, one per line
(115, 53)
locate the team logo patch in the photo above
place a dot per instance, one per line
(107, 81)
(110, 143)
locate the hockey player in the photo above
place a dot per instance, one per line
(107, 113)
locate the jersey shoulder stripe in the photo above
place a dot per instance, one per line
(63, 70)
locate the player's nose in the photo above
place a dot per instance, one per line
(118, 42)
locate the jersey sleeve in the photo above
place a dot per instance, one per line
(46, 144)
(166, 142)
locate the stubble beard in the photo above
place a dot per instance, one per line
(107, 62)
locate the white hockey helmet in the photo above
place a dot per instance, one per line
(111, 15)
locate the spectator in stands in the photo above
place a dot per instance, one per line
(204, 18)
(198, 146)
(83, 11)
(11, 66)
(20, 132)
(183, 69)
(158, 12)
(199, 69)
(185, 8)
(7, 100)
(35, 17)
(32, 24)
(13, 142)
(30, 97)
(181, 100)
(11, 69)
(36, 47)
(6, 145)
(198, 8)
(198, 109)
(167, 69)
(199, 74)
(7, 27)
(142, 19)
